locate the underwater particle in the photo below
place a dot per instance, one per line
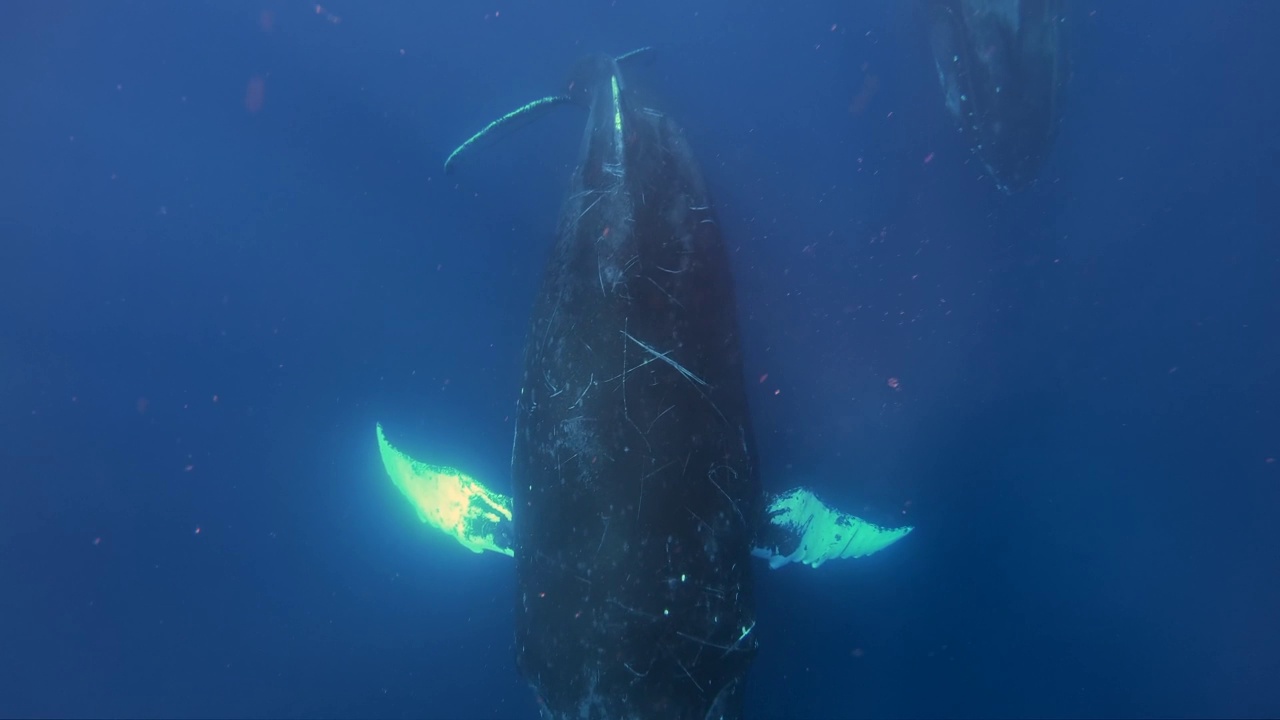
(894, 383)
(870, 87)
(255, 94)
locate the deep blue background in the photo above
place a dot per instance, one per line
(204, 310)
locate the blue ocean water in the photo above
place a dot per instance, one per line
(227, 249)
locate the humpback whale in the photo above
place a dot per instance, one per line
(1002, 68)
(633, 465)
(636, 503)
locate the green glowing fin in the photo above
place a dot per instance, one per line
(451, 501)
(798, 527)
(524, 112)
(802, 529)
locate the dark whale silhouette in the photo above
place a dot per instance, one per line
(1002, 66)
(636, 500)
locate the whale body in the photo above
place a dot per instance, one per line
(1002, 68)
(633, 468)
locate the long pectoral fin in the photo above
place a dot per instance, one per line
(800, 528)
(451, 501)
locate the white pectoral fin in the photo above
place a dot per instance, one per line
(798, 527)
(451, 501)
(802, 529)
